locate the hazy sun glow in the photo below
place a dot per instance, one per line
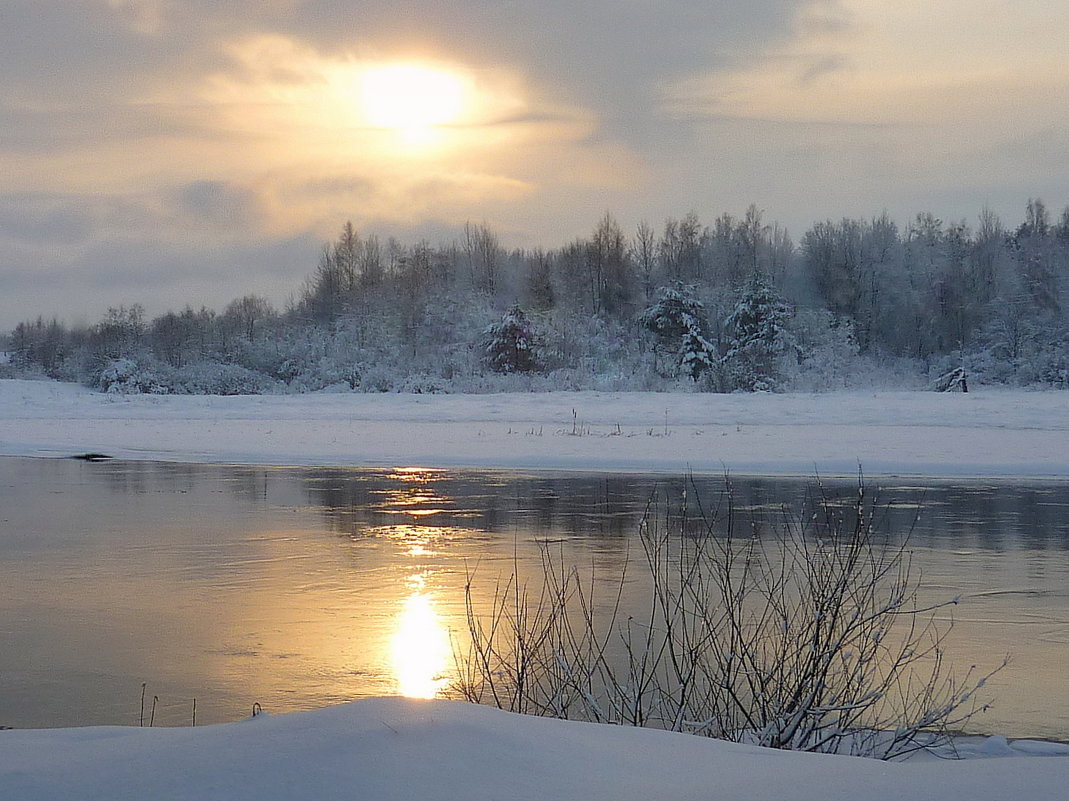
(411, 98)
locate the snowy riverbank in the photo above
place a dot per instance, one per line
(989, 432)
(391, 748)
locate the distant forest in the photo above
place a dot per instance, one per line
(734, 305)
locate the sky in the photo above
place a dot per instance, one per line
(174, 152)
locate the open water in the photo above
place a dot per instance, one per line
(131, 590)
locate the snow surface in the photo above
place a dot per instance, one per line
(391, 748)
(990, 432)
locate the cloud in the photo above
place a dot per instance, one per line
(141, 16)
(40, 219)
(219, 204)
(820, 67)
(910, 62)
(80, 285)
(602, 55)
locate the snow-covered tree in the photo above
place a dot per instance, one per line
(696, 354)
(678, 323)
(483, 251)
(759, 338)
(120, 335)
(40, 345)
(511, 345)
(248, 314)
(538, 280)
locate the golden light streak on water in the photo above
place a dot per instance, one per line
(420, 648)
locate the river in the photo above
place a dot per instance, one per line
(131, 592)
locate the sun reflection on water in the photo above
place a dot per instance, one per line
(420, 648)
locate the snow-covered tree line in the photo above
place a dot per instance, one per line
(732, 305)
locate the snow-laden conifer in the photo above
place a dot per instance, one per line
(759, 338)
(511, 346)
(678, 323)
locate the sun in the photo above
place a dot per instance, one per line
(412, 99)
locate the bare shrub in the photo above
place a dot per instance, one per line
(802, 633)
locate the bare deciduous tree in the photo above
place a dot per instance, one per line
(483, 250)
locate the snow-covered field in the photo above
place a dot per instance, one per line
(1011, 433)
(382, 749)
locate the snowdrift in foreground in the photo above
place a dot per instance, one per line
(391, 748)
(1013, 433)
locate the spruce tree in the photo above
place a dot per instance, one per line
(677, 321)
(758, 338)
(511, 346)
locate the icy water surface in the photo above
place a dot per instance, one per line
(299, 587)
